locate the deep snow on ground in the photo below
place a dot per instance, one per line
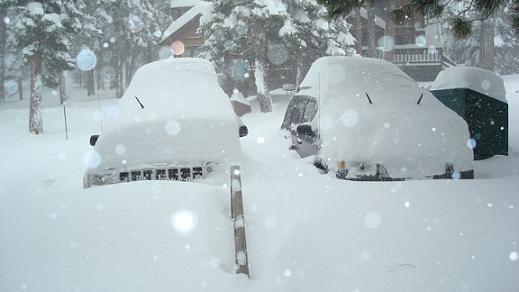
(305, 231)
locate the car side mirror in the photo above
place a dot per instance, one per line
(93, 140)
(305, 130)
(244, 131)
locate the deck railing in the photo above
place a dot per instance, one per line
(414, 56)
(418, 55)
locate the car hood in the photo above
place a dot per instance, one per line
(180, 141)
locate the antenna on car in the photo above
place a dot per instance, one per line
(420, 99)
(319, 105)
(140, 103)
(369, 99)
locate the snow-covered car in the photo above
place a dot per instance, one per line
(365, 119)
(174, 122)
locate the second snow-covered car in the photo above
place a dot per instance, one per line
(174, 122)
(365, 119)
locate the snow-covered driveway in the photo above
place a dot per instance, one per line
(305, 231)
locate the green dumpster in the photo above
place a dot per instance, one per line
(479, 97)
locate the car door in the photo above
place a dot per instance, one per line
(301, 109)
(294, 112)
(307, 144)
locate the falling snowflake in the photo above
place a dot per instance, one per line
(86, 60)
(184, 221)
(372, 220)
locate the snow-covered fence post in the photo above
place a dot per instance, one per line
(240, 242)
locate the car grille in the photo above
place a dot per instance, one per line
(170, 173)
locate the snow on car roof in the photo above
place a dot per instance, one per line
(480, 80)
(332, 76)
(185, 117)
(409, 139)
(175, 88)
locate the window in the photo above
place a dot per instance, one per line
(295, 111)
(310, 110)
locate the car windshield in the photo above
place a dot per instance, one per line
(259, 145)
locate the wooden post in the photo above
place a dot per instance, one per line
(240, 242)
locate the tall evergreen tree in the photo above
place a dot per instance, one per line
(130, 37)
(260, 33)
(461, 23)
(41, 32)
(5, 6)
(492, 45)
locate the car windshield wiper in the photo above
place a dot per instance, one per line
(369, 99)
(139, 102)
(420, 99)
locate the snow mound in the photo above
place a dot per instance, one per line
(477, 79)
(409, 139)
(185, 117)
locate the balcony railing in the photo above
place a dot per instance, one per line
(414, 56)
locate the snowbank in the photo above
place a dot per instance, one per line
(409, 139)
(477, 79)
(305, 231)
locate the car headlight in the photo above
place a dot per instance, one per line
(92, 179)
(342, 172)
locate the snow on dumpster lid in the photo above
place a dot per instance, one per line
(477, 79)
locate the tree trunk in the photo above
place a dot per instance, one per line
(20, 88)
(487, 45)
(121, 77)
(100, 78)
(62, 88)
(359, 37)
(3, 36)
(389, 42)
(264, 99)
(260, 51)
(35, 119)
(91, 86)
(124, 77)
(372, 32)
(129, 71)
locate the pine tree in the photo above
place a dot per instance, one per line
(41, 32)
(506, 43)
(130, 37)
(492, 44)
(5, 6)
(461, 23)
(15, 69)
(261, 34)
